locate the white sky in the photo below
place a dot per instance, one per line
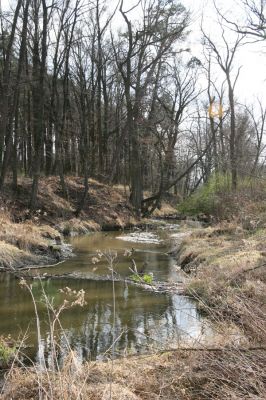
(252, 58)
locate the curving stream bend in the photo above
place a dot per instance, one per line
(144, 320)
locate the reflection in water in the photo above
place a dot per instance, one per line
(143, 320)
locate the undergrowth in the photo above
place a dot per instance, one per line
(216, 197)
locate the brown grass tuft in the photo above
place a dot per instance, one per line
(153, 377)
(77, 226)
(11, 257)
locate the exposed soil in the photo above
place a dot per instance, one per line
(36, 238)
(105, 205)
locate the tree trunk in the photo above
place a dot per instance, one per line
(38, 92)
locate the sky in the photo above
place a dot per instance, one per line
(251, 57)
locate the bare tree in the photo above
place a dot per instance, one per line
(38, 92)
(258, 119)
(255, 23)
(5, 94)
(225, 61)
(137, 58)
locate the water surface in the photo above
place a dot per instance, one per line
(143, 320)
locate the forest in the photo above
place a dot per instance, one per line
(115, 93)
(132, 199)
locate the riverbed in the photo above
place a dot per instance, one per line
(143, 320)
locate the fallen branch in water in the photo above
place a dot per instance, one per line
(40, 266)
(156, 287)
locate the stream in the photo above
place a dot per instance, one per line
(144, 320)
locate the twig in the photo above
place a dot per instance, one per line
(196, 349)
(252, 269)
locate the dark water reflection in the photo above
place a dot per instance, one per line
(143, 320)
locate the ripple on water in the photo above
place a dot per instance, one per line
(141, 237)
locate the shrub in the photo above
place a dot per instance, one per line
(216, 197)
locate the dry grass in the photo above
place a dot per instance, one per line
(11, 256)
(184, 375)
(146, 378)
(77, 226)
(227, 267)
(165, 210)
(229, 374)
(225, 247)
(228, 273)
(26, 236)
(106, 205)
(24, 243)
